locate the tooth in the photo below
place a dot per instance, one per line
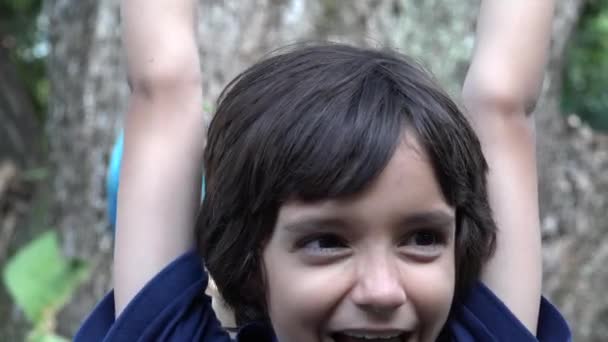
(372, 337)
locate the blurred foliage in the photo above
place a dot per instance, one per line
(41, 281)
(585, 81)
(21, 37)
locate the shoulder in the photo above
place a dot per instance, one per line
(171, 307)
(482, 316)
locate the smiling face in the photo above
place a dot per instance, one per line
(316, 216)
(380, 263)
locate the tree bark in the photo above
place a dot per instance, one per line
(89, 92)
(88, 95)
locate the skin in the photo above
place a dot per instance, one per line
(381, 261)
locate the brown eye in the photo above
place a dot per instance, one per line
(426, 244)
(323, 248)
(324, 242)
(425, 239)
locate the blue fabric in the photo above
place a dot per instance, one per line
(174, 307)
(112, 180)
(171, 307)
(484, 317)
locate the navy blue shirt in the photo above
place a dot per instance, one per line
(173, 306)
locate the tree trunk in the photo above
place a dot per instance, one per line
(88, 96)
(89, 92)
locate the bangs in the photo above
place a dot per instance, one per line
(325, 122)
(341, 141)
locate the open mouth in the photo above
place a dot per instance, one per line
(389, 336)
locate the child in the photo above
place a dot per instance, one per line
(346, 195)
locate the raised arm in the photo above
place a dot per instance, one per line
(500, 91)
(164, 136)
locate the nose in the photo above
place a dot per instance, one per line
(379, 287)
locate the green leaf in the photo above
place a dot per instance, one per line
(45, 337)
(40, 280)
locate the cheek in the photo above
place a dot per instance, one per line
(300, 298)
(432, 293)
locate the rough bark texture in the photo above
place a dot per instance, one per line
(89, 92)
(88, 95)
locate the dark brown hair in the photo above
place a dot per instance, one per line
(320, 122)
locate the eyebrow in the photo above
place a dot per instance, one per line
(435, 218)
(315, 223)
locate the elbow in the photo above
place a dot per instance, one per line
(501, 95)
(500, 112)
(157, 78)
(152, 86)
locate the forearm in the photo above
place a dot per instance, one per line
(510, 53)
(161, 172)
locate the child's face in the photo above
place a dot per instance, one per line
(379, 264)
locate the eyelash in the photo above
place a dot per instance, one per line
(339, 243)
(439, 240)
(306, 242)
(438, 236)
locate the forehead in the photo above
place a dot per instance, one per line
(407, 185)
